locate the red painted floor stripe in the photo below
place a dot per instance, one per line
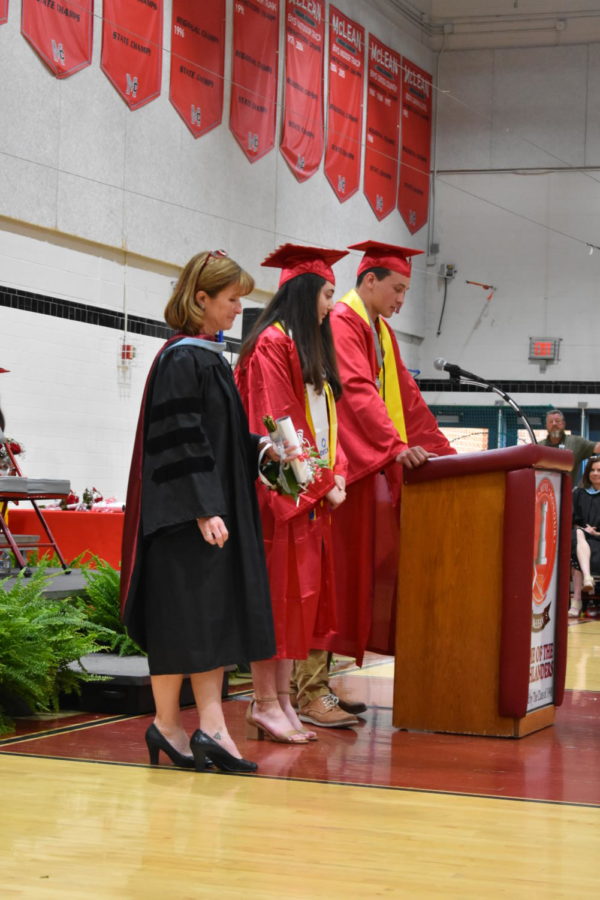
(560, 763)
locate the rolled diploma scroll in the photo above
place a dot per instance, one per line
(287, 432)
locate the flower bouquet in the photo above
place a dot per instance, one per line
(9, 448)
(294, 476)
(90, 497)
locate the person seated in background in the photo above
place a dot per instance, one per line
(579, 446)
(585, 546)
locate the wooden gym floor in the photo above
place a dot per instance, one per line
(364, 812)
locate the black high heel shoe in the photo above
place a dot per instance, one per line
(157, 741)
(206, 750)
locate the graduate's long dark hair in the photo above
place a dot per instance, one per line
(295, 306)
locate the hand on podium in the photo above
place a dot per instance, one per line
(413, 457)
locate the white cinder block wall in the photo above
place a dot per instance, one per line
(99, 204)
(517, 198)
(82, 180)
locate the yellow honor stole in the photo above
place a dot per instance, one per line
(331, 412)
(388, 381)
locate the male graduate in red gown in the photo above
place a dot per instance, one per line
(384, 424)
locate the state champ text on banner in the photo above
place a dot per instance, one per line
(198, 63)
(415, 155)
(254, 57)
(132, 48)
(61, 34)
(383, 120)
(302, 136)
(344, 107)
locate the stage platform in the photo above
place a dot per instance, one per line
(60, 584)
(560, 763)
(125, 685)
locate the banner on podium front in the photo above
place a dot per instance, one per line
(544, 591)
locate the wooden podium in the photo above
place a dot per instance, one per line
(483, 592)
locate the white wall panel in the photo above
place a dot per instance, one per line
(539, 106)
(547, 284)
(464, 115)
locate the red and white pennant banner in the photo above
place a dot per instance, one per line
(344, 108)
(132, 48)
(302, 136)
(59, 32)
(415, 157)
(198, 63)
(383, 119)
(254, 75)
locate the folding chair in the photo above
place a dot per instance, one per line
(15, 487)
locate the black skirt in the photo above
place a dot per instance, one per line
(191, 624)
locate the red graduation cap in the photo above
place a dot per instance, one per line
(294, 259)
(385, 256)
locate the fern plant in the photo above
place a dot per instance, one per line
(103, 608)
(39, 637)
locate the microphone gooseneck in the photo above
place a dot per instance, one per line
(456, 373)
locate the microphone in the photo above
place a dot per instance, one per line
(455, 371)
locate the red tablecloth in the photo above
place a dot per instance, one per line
(92, 533)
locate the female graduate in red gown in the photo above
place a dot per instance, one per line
(287, 367)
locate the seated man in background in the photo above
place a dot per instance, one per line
(579, 446)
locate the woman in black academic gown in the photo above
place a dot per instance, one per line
(194, 585)
(585, 543)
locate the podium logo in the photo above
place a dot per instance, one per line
(546, 539)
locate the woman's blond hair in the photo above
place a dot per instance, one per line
(204, 272)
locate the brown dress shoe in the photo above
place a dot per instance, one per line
(325, 711)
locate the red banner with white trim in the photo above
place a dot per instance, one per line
(302, 136)
(198, 63)
(60, 33)
(254, 75)
(344, 107)
(132, 48)
(415, 155)
(3, 11)
(383, 121)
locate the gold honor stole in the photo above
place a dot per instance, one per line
(331, 412)
(389, 383)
